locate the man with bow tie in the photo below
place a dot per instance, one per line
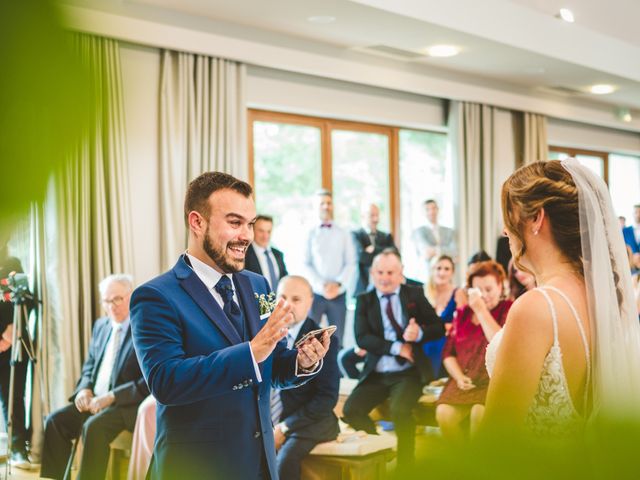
(330, 263)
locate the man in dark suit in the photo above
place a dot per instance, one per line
(261, 257)
(391, 324)
(108, 393)
(304, 416)
(369, 242)
(207, 355)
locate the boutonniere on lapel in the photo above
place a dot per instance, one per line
(266, 303)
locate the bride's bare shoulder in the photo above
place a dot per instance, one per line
(529, 315)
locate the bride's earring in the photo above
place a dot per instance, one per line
(535, 232)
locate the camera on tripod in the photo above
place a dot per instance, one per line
(15, 288)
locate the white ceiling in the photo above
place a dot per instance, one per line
(617, 19)
(517, 42)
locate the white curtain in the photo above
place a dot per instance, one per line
(202, 128)
(534, 133)
(87, 225)
(482, 146)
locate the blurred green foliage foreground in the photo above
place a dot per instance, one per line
(44, 102)
(609, 450)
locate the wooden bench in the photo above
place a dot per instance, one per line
(355, 457)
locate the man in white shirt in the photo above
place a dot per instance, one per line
(432, 240)
(330, 262)
(262, 258)
(106, 400)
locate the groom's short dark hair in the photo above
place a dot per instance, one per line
(201, 188)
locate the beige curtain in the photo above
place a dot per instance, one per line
(535, 138)
(482, 146)
(87, 224)
(202, 128)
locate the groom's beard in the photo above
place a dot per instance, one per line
(220, 257)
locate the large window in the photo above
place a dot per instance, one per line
(594, 161)
(293, 155)
(423, 174)
(621, 172)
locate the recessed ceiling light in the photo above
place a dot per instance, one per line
(321, 19)
(442, 50)
(602, 89)
(566, 15)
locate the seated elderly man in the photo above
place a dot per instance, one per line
(108, 393)
(303, 416)
(391, 323)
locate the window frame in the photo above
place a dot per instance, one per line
(572, 152)
(327, 126)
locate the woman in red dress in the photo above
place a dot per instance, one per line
(463, 356)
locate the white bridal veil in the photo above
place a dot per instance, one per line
(615, 330)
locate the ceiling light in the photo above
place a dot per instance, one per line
(321, 19)
(566, 15)
(442, 51)
(602, 89)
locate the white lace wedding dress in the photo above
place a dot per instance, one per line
(552, 412)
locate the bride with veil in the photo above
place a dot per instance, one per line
(569, 353)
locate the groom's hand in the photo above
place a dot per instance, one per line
(273, 331)
(312, 351)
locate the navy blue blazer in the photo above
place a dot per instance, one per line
(307, 411)
(127, 382)
(213, 417)
(630, 239)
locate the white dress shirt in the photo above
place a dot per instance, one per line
(262, 260)
(210, 277)
(109, 357)
(329, 257)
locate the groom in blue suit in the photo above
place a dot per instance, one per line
(208, 356)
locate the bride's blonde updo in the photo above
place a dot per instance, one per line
(544, 185)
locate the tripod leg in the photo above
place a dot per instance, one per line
(67, 470)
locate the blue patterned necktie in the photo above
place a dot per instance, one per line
(231, 308)
(273, 278)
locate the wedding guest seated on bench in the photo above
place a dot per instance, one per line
(391, 324)
(109, 391)
(303, 416)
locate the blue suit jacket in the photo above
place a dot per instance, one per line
(630, 239)
(213, 417)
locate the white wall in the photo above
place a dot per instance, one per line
(289, 92)
(140, 83)
(581, 135)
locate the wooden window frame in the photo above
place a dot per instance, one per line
(572, 152)
(326, 126)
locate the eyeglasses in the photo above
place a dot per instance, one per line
(115, 301)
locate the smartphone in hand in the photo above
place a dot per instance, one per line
(317, 334)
